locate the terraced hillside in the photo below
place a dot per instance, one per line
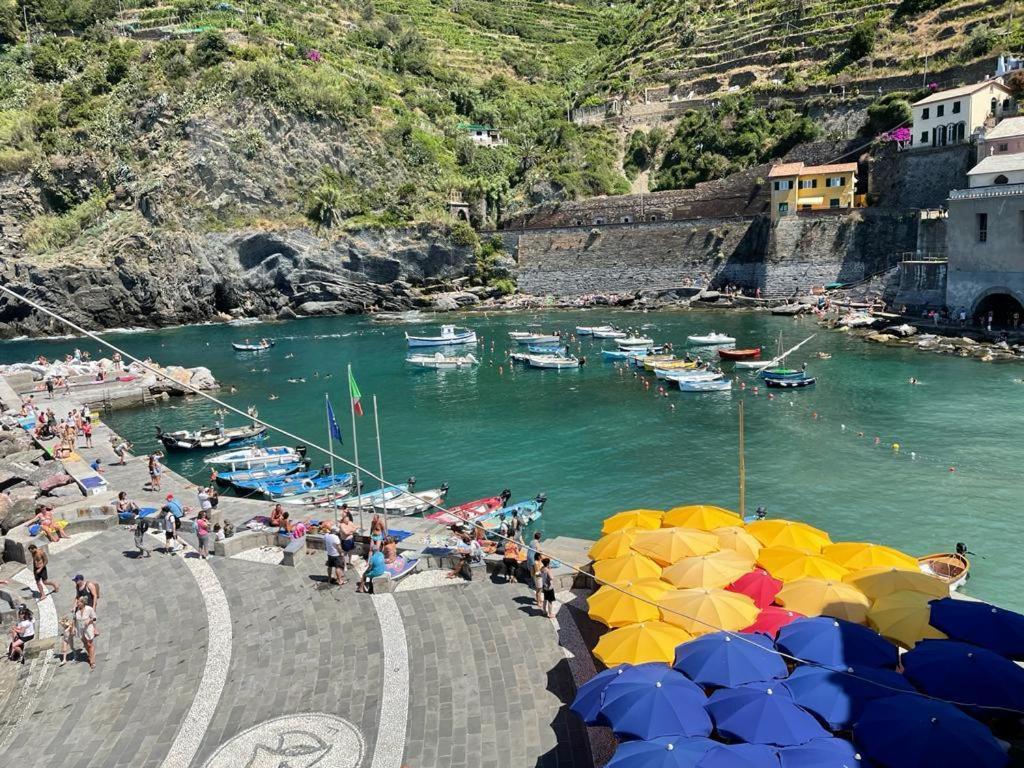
(744, 42)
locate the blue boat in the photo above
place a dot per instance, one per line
(527, 511)
(289, 487)
(618, 354)
(259, 483)
(239, 477)
(546, 349)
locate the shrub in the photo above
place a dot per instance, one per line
(981, 40)
(49, 232)
(211, 49)
(1015, 82)
(506, 286)
(324, 205)
(16, 141)
(886, 113)
(862, 41)
(464, 235)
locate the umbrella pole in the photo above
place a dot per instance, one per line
(743, 468)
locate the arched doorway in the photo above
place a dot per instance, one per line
(1003, 307)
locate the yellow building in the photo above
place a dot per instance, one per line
(799, 187)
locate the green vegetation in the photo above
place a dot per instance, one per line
(640, 151)
(48, 232)
(888, 112)
(712, 144)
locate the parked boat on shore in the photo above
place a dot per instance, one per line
(208, 438)
(260, 346)
(439, 360)
(408, 504)
(451, 335)
(468, 511)
(711, 339)
(253, 458)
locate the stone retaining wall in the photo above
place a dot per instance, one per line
(919, 178)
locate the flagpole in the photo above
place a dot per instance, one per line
(380, 462)
(330, 446)
(355, 451)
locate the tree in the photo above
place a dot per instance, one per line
(862, 41)
(211, 49)
(325, 203)
(10, 25)
(1015, 82)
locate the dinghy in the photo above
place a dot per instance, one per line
(540, 338)
(665, 373)
(250, 480)
(950, 567)
(782, 373)
(212, 437)
(791, 383)
(739, 354)
(368, 500)
(634, 341)
(253, 458)
(319, 498)
(439, 360)
(450, 336)
(546, 361)
(468, 511)
(517, 335)
(527, 511)
(651, 363)
(412, 503)
(711, 339)
(694, 376)
(609, 333)
(259, 346)
(283, 488)
(590, 330)
(713, 385)
(542, 349)
(239, 478)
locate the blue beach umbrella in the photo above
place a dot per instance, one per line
(821, 753)
(664, 752)
(965, 674)
(981, 624)
(739, 756)
(839, 697)
(836, 643)
(722, 659)
(762, 717)
(590, 696)
(652, 700)
(908, 731)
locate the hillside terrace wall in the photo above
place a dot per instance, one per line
(918, 178)
(741, 194)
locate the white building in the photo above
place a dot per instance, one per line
(956, 115)
(996, 170)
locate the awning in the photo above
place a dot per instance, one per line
(810, 200)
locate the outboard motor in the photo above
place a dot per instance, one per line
(505, 495)
(411, 482)
(961, 549)
(325, 470)
(541, 499)
(301, 450)
(444, 490)
(159, 431)
(760, 513)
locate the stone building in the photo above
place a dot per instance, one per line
(798, 187)
(956, 115)
(985, 241)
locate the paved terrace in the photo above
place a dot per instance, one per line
(236, 662)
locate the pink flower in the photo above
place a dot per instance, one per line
(313, 55)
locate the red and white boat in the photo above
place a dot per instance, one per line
(468, 511)
(740, 354)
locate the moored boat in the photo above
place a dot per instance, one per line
(791, 383)
(590, 330)
(551, 361)
(288, 487)
(252, 458)
(950, 567)
(642, 359)
(694, 376)
(211, 437)
(667, 365)
(782, 373)
(249, 480)
(439, 360)
(450, 335)
(517, 335)
(468, 511)
(634, 341)
(710, 385)
(739, 354)
(546, 349)
(527, 512)
(617, 354)
(259, 346)
(239, 478)
(412, 503)
(368, 500)
(609, 333)
(540, 338)
(755, 364)
(711, 339)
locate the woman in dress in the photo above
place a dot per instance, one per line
(85, 628)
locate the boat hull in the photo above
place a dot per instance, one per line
(739, 354)
(439, 361)
(242, 478)
(711, 339)
(252, 347)
(406, 505)
(254, 458)
(805, 381)
(441, 341)
(539, 361)
(208, 439)
(713, 385)
(952, 568)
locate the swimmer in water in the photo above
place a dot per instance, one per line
(272, 397)
(913, 380)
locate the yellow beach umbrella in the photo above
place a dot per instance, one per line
(738, 540)
(702, 516)
(613, 545)
(633, 518)
(903, 617)
(879, 582)
(700, 611)
(855, 555)
(670, 545)
(790, 564)
(707, 571)
(619, 607)
(628, 567)
(788, 533)
(639, 643)
(823, 597)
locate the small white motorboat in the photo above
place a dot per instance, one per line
(635, 341)
(711, 339)
(368, 500)
(321, 497)
(440, 360)
(539, 338)
(694, 375)
(517, 335)
(552, 361)
(755, 365)
(590, 330)
(711, 385)
(450, 335)
(411, 503)
(252, 458)
(608, 333)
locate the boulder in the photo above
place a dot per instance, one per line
(69, 491)
(286, 313)
(318, 308)
(202, 378)
(18, 511)
(444, 303)
(903, 331)
(55, 481)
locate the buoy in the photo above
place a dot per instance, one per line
(896, 446)
(842, 427)
(754, 390)
(743, 385)
(501, 370)
(771, 396)
(814, 415)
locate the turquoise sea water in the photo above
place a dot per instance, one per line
(596, 441)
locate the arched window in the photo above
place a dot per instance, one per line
(1000, 179)
(959, 131)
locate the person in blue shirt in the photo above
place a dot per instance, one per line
(176, 509)
(374, 568)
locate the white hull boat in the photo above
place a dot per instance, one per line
(539, 338)
(545, 361)
(439, 360)
(694, 376)
(635, 341)
(450, 336)
(711, 339)
(321, 497)
(255, 458)
(590, 330)
(517, 335)
(755, 365)
(368, 500)
(715, 385)
(609, 334)
(411, 504)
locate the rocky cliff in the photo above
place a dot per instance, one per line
(167, 278)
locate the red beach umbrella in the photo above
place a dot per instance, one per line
(759, 585)
(772, 619)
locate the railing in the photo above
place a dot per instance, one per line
(1000, 190)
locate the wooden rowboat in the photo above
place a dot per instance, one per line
(950, 567)
(739, 354)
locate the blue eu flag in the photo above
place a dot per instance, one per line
(332, 423)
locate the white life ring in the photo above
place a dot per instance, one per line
(308, 484)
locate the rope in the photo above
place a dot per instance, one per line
(579, 570)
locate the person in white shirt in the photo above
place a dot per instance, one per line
(23, 631)
(203, 495)
(170, 531)
(335, 564)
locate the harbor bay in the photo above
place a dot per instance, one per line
(863, 453)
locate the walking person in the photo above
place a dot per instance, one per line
(335, 565)
(538, 579)
(141, 526)
(87, 434)
(85, 628)
(39, 562)
(548, 587)
(170, 530)
(155, 470)
(203, 534)
(88, 591)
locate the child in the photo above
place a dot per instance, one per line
(67, 639)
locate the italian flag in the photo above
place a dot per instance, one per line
(353, 389)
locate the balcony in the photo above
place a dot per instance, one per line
(979, 193)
